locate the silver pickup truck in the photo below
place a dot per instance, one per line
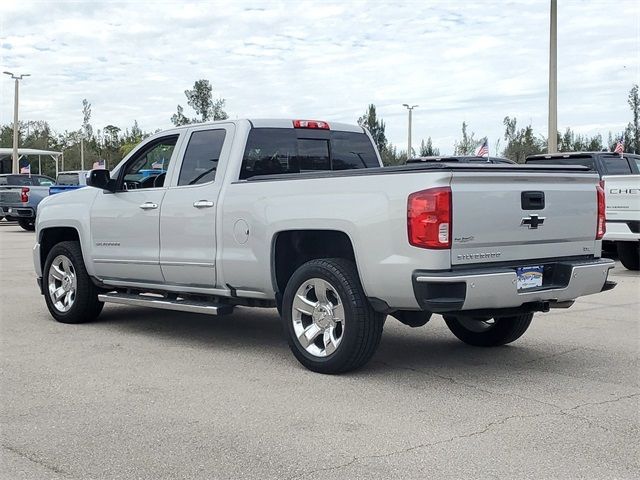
(301, 215)
(20, 195)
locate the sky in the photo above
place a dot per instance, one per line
(474, 61)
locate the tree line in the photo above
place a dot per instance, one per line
(519, 142)
(112, 143)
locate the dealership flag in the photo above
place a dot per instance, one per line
(483, 150)
(100, 164)
(620, 146)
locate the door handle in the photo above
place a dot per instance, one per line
(149, 206)
(203, 204)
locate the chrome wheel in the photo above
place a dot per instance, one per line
(318, 317)
(62, 283)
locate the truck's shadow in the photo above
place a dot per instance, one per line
(259, 331)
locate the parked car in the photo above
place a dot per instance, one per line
(621, 181)
(71, 180)
(302, 216)
(20, 196)
(461, 159)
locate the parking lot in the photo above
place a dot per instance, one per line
(151, 394)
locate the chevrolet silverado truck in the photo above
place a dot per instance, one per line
(300, 215)
(620, 178)
(20, 196)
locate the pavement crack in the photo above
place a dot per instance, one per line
(593, 404)
(471, 385)
(475, 433)
(34, 459)
(553, 355)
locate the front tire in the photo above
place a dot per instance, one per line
(330, 325)
(629, 254)
(488, 332)
(69, 292)
(28, 224)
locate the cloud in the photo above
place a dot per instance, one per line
(472, 61)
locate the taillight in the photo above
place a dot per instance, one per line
(24, 195)
(602, 221)
(311, 124)
(429, 218)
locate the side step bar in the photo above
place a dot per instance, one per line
(181, 305)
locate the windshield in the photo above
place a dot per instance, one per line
(68, 179)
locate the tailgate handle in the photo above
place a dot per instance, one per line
(532, 200)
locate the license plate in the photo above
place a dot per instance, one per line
(529, 277)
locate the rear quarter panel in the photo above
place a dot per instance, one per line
(371, 210)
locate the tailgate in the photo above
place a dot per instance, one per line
(506, 216)
(10, 195)
(623, 197)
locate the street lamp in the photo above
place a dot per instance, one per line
(552, 141)
(410, 108)
(17, 78)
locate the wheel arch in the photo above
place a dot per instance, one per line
(292, 248)
(50, 237)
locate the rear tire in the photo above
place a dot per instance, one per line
(488, 332)
(330, 325)
(28, 224)
(629, 254)
(69, 292)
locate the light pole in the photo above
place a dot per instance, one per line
(410, 108)
(17, 78)
(552, 142)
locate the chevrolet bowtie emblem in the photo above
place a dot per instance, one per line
(532, 222)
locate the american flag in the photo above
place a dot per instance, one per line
(158, 165)
(619, 146)
(99, 165)
(483, 150)
(26, 169)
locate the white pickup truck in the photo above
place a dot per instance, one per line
(622, 194)
(301, 215)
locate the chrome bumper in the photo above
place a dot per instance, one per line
(496, 288)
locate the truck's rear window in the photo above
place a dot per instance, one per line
(616, 166)
(272, 151)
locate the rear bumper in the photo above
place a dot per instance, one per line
(22, 212)
(622, 231)
(495, 287)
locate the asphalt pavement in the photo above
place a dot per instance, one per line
(151, 394)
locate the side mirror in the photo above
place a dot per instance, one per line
(100, 178)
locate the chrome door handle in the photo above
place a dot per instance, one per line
(203, 204)
(149, 206)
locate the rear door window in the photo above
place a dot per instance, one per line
(201, 157)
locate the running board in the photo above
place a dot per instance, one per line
(181, 305)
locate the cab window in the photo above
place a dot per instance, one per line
(147, 169)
